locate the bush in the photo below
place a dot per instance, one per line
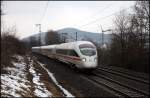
(10, 45)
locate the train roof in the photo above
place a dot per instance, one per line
(45, 47)
(72, 45)
(78, 42)
(69, 45)
(48, 46)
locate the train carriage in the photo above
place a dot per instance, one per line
(82, 54)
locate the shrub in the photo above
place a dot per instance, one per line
(10, 45)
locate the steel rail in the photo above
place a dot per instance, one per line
(124, 75)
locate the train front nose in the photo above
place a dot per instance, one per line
(90, 62)
(89, 55)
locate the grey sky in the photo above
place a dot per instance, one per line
(83, 15)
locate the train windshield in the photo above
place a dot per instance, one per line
(87, 49)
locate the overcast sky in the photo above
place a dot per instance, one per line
(54, 15)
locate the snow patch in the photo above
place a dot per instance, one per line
(40, 89)
(18, 57)
(68, 94)
(15, 81)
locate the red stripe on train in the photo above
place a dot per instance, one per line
(70, 57)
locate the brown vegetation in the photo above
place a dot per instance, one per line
(10, 45)
(52, 37)
(129, 47)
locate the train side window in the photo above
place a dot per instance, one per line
(73, 53)
(57, 51)
(61, 51)
(50, 50)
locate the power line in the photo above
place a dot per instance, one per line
(95, 14)
(101, 18)
(39, 35)
(98, 12)
(103, 9)
(91, 22)
(44, 12)
(40, 24)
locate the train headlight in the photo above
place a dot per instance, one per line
(95, 59)
(84, 59)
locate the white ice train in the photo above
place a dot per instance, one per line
(81, 54)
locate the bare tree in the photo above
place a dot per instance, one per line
(52, 37)
(119, 41)
(141, 9)
(130, 37)
(10, 45)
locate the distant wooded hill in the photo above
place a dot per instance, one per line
(70, 35)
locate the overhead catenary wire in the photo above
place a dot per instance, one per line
(95, 14)
(39, 24)
(45, 10)
(91, 22)
(42, 16)
(94, 21)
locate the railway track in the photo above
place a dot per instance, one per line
(121, 83)
(117, 89)
(141, 76)
(118, 84)
(113, 88)
(108, 70)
